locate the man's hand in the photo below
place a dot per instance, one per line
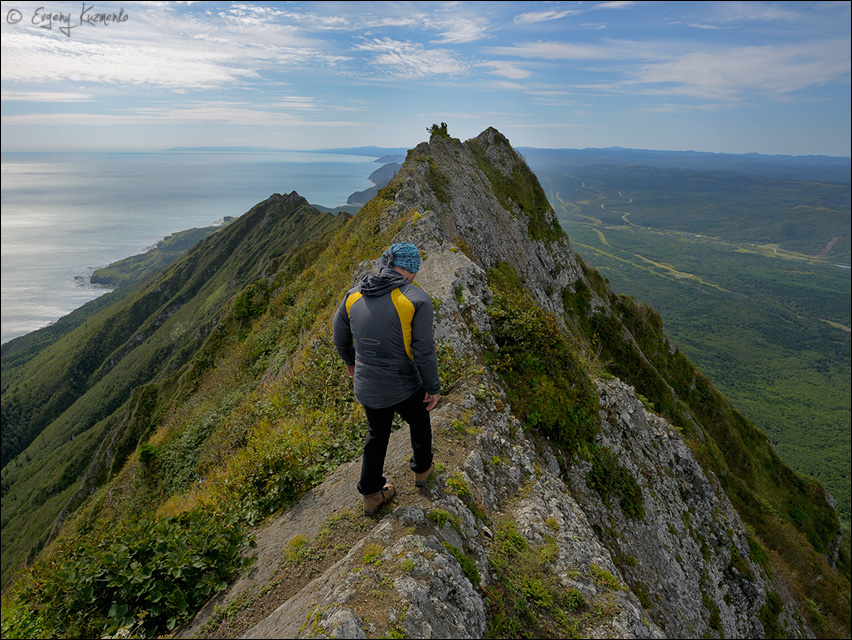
(431, 400)
(350, 370)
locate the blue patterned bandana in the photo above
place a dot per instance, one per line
(405, 256)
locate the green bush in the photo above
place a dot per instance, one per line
(147, 577)
(526, 598)
(441, 517)
(547, 383)
(147, 454)
(609, 479)
(457, 485)
(253, 301)
(768, 616)
(438, 130)
(468, 566)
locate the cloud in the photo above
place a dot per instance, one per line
(678, 69)
(510, 86)
(533, 17)
(298, 103)
(44, 96)
(681, 108)
(461, 30)
(732, 73)
(461, 115)
(25, 57)
(614, 5)
(762, 11)
(288, 111)
(545, 125)
(558, 51)
(411, 60)
(506, 69)
(162, 48)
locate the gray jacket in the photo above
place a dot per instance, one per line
(384, 327)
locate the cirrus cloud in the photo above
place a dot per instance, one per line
(506, 69)
(411, 60)
(731, 73)
(532, 17)
(549, 50)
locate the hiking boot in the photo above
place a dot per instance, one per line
(420, 479)
(374, 501)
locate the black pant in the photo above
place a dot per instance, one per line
(413, 411)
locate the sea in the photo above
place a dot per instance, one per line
(66, 214)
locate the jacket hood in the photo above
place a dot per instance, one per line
(384, 282)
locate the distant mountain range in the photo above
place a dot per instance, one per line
(354, 151)
(814, 167)
(821, 168)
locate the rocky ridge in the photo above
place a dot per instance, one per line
(505, 506)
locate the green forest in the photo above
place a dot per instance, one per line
(751, 277)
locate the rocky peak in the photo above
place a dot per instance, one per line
(452, 186)
(512, 535)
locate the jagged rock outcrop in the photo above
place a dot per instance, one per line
(431, 595)
(508, 516)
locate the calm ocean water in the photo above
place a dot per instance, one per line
(64, 215)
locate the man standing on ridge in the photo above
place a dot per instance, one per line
(383, 333)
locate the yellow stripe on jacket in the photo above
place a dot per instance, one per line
(405, 310)
(355, 297)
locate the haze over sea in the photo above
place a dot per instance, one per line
(66, 214)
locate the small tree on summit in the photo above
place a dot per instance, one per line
(436, 130)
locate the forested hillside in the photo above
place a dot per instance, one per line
(751, 276)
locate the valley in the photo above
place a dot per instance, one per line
(761, 307)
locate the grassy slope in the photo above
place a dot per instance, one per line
(72, 394)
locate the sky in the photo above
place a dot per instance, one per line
(727, 77)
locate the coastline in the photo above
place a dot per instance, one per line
(74, 287)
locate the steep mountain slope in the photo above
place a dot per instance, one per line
(63, 404)
(568, 501)
(525, 522)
